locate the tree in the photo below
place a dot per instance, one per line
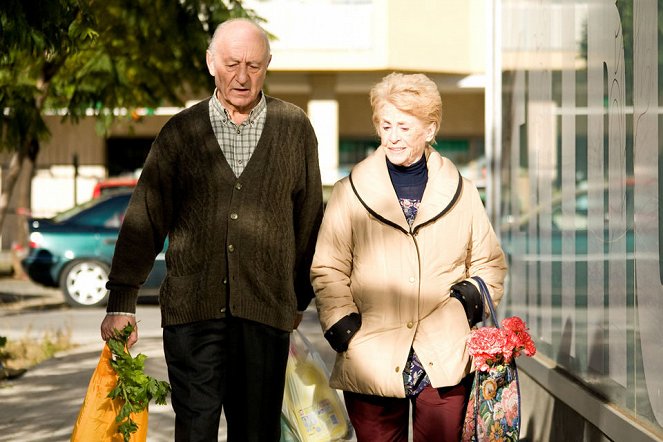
(77, 56)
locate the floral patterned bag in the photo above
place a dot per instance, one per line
(493, 410)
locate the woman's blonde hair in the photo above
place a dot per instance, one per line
(415, 94)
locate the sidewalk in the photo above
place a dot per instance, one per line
(19, 295)
(43, 404)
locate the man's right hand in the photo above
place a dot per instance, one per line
(111, 323)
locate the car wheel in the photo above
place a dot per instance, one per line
(84, 283)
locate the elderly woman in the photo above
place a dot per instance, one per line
(400, 240)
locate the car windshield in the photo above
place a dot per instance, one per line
(106, 212)
(70, 213)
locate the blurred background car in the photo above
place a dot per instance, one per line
(74, 250)
(112, 185)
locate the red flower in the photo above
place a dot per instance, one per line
(493, 346)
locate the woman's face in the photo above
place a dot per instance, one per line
(403, 136)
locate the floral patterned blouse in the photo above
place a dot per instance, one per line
(409, 183)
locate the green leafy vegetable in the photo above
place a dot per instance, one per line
(134, 387)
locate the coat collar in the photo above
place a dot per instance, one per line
(372, 185)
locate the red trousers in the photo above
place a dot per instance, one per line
(437, 415)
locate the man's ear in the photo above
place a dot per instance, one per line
(210, 62)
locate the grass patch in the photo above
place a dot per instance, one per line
(29, 351)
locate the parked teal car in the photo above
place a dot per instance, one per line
(74, 250)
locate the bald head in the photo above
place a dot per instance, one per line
(241, 28)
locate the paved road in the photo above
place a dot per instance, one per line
(43, 404)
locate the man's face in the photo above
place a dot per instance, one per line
(238, 61)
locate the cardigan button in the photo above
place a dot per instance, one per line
(410, 324)
(234, 216)
(231, 248)
(238, 185)
(398, 369)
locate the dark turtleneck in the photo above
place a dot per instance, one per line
(409, 181)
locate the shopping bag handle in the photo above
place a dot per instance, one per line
(304, 339)
(483, 288)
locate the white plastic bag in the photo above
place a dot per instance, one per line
(313, 409)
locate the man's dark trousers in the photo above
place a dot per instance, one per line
(228, 363)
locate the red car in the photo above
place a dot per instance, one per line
(112, 184)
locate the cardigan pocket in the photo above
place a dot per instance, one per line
(179, 290)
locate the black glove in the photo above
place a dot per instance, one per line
(339, 334)
(470, 297)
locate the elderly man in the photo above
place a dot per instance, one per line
(234, 184)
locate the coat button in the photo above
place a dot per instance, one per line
(412, 279)
(410, 324)
(398, 369)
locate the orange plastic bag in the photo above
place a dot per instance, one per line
(96, 419)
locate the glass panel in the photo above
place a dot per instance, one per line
(581, 161)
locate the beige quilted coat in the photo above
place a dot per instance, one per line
(368, 260)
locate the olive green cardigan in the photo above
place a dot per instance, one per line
(244, 244)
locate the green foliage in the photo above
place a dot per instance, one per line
(74, 57)
(134, 387)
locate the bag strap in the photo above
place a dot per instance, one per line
(304, 339)
(485, 294)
